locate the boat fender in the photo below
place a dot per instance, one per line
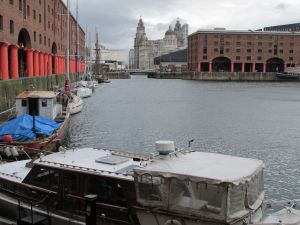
(7, 151)
(172, 222)
(14, 151)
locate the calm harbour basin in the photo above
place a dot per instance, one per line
(250, 119)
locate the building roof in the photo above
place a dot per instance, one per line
(256, 32)
(40, 94)
(204, 167)
(176, 56)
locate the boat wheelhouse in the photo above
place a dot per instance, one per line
(172, 187)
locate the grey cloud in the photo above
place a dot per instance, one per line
(281, 6)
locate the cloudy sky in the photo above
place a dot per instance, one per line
(116, 20)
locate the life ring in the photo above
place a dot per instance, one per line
(172, 222)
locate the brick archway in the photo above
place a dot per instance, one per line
(24, 42)
(275, 65)
(221, 64)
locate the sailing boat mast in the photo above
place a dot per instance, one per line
(97, 59)
(67, 84)
(85, 50)
(77, 44)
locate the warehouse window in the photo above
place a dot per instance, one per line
(11, 26)
(1, 22)
(34, 14)
(40, 18)
(34, 36)
(20, 5)
(28, 11)
(40, 39)
(11, 2)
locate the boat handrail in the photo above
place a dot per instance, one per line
(74, 197)
(289, 203)
(85, 169)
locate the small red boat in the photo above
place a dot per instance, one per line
(50, 105)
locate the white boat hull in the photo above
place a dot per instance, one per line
(76, 105)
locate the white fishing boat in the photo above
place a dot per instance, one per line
(76, 104)
(170, 186)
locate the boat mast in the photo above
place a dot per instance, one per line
(85, 50)
(77, 44)
(67, 84)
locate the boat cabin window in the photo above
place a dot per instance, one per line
(44, 103)
(70, 184)
(185, 194)
(150, 189)
(24, 103)
(107, 190)
(245, 196)
(43, 177)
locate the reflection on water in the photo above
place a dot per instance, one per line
(258, 120)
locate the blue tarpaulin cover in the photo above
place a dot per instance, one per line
(21, 128)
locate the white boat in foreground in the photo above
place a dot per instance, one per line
(76, 104)
(170, 187)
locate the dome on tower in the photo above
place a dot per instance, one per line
(170, 31)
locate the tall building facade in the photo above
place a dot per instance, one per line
(243, 51)
(33, 39)
(131, 59)
(146, 50)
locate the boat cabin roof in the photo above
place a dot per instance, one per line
(88, 160)
(14, 171)
(39, 94)
(203, 167)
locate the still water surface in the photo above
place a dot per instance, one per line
(257, 120)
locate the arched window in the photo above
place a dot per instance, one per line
(11, 26)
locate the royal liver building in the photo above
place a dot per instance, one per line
(146, 50)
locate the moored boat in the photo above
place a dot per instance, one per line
(169, 187)
(41, 122)
(76, 104)
(83, 92)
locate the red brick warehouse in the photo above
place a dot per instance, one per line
(33, 39)
(223, 50)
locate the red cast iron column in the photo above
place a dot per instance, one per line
(14, 64)
(4, 61)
